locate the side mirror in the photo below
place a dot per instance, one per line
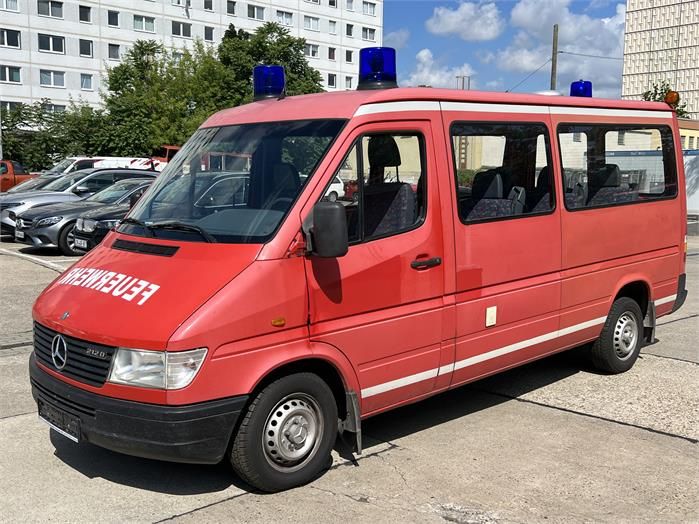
(329, 230)
(81, 190)
(134, 198)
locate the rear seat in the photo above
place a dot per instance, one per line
(605, 187)
(487, 198)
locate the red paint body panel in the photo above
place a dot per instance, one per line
(394, 334)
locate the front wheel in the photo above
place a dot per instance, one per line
(287, 434)
(621, 340)
(66, 240)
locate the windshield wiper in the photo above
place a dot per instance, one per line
(137, 222)
(183, 226)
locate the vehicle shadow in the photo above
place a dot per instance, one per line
(187, 479)
(43, 252)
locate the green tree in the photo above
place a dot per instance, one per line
(240, 51)
(657, 94)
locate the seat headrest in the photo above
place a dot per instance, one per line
(487, 184)
(383, 151)
(284, 175)
(544, 179)
(609, 176)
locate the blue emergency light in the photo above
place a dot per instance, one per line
(581, 88)
(377, 68)
(268, 81)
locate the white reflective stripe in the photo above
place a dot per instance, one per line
(624, 113)
(665, 300)
(393, 107)
(494, 108)
(443, 370)
(399, 383)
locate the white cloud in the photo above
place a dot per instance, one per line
(429, 72)
(397, 39)
(577, 33)
(469, 21)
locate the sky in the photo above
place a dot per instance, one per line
(499, 43)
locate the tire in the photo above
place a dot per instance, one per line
(66, 240)
(332, 197)
(266, 457)
(621, 340)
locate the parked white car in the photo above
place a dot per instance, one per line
(336, 190)
(76, 163)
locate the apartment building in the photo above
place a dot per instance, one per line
(661, 42)
(61, 49)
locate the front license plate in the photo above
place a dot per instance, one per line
(19, 235)
(79, 242)
(66, 424)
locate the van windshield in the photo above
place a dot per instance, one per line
(233, 184)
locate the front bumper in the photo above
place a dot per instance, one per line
(194, 433)
(35, 238)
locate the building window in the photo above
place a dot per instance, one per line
(691, 142)
(256, 12)
(85, 82)
(50, 8)
(85, 13)
(10, 74)
(181, 29)
(52, 78)
(332, 80)
(368, 34)
(331, 53)
(9, 5)
(311, 23)
(7, 106)
(332, 27)
(144, 23)
(683, 141)
(10, 38)
(311, 50)
(230, 7)
(285, 18)
(350, 5)
(208, 34)
(348, 82)
(51, 44)
(182, 3)
(313, 1)
(369, 8)
(113, 52)
(349, 30)
(208, 5)
(53, 108)
(113, 18)
(86, 48)
(349, 56)
(576, 137)
(332, 3)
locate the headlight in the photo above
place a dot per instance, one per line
(85, 224)
(156, 369)
(48, 221)
(108, 224)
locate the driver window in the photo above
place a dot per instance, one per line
(381, 184)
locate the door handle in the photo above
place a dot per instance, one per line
(425, 263)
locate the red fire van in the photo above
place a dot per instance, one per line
(240, 315)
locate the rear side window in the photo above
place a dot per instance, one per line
(606, 165)
(382, 185)
(502, 170)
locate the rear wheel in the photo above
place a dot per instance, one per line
(287, 434)
(66, 240)
(621, 340)
(332, 197)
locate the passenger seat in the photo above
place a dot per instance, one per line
(487, 199)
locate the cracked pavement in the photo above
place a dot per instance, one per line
(552, 441)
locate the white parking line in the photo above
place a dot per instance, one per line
(36, 260)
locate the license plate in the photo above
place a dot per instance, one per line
(19, 234)
(66, 424)
(79, 242)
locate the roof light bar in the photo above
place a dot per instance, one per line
(268, 81)
(377, 68)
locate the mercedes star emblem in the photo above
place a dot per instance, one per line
(59, 352)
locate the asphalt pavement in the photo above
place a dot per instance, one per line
(552, 441)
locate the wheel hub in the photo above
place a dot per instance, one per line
(625, 335)
(292, 432)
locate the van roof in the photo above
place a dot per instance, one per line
(344, 104)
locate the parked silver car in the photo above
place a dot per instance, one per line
(75, 186)
(53, 225)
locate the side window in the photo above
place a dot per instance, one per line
(605, 165)
(502, 170)
(382, 184)
(19, 168)
(98, 182)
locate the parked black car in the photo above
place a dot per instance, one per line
(53, 225)
(93, 225)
